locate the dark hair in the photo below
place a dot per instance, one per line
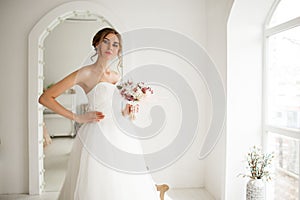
(99, 37)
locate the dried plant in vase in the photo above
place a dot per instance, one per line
(259, 165)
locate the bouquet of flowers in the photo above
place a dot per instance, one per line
(133, 92)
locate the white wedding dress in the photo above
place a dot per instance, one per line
(88, 177)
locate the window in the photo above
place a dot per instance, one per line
(282, 98)
(285, 10)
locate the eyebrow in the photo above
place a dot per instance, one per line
(109, 40)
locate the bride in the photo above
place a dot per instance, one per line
(88, 178)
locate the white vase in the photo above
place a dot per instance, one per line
(255, 189)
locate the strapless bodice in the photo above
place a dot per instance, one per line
(100, 97)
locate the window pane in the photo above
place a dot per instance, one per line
(285, 184)
(285, 11)
(283, 79)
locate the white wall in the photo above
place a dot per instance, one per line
(244, 88)
(217, 12)
(66, 47)
(17, 18)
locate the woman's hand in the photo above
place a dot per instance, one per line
(130, 110)
(93, 116)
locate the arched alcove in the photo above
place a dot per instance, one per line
(35, 77)
(245, 31)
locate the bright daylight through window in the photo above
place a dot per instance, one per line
(282, 98)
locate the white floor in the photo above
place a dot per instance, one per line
(55, 162)
(56, 159)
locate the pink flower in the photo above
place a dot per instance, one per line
(133, 92)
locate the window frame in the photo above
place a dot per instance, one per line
(270, 31)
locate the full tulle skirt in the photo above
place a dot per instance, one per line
(89, 179)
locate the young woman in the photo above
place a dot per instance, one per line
(87, 177)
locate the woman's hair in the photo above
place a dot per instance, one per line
(99, 37)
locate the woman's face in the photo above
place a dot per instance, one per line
(109, 47)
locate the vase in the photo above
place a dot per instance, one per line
(255, 189)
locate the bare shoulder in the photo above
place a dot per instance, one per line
(115, 76)
(86, 69)
(84, 73)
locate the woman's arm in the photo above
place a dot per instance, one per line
(48, 99)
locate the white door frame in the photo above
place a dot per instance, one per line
(35, 78)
